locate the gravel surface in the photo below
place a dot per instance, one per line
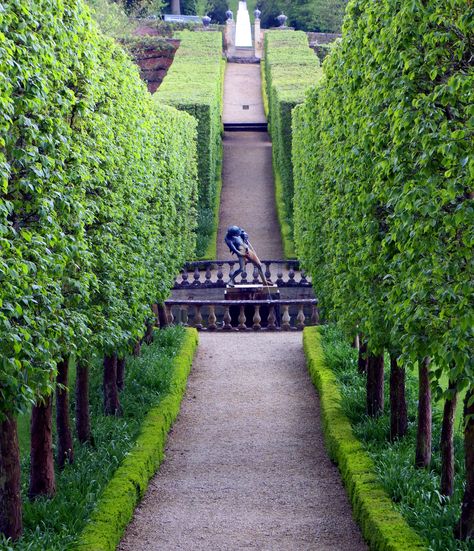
(248, 196)
(245, 464)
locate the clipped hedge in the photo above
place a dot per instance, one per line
(129, 483)
(291, 67)
(194, 83)
(382, 526)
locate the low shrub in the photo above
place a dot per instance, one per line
(291, 67)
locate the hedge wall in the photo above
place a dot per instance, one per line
(95, 180)
(194, 83)
(383, 192)
(291, 67)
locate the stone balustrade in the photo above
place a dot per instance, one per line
(215, 274)
(244, 315)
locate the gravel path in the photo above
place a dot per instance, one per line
(247, 198)
(246, 466)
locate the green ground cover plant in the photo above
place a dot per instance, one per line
(415, 492)
(194, 83)
(55, 524)
(291, 67)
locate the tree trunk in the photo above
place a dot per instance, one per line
(42, 479)
(423, 437)
(65, 447)
(149, 333)
(120, 373)
(175, 7)
(375, 397)
(398, 403)
(10, 498)
(163, 318)
(137, 348)
(154, 308)
(465, 527)
(447, 443)
(363, 359)
(83, 423)
(111, 396)
(356, 342)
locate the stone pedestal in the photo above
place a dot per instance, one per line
(257, 39)
(229, 36)
(252, 292)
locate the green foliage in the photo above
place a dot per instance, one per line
(382, 526)
(194, 83)
(415, 492)
(98, 186)
(384, 170)
(291, 67)
(151, 381)
(111, 18)
(305, 15)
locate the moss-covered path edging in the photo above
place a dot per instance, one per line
(382, 526)
(117, 504)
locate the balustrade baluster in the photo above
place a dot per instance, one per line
(291, 275)
(242, 319)
(271, 325)
(198, 316)
(227, 319)
(220, 275)
(285, 319)
(279, 280)
(315, 315)
(244, 277)
(300, 317)
(184, 275)
(257, 318)
(268, 273)
(185, 314)
(197, 277)
(255, 275)
(211, 320)
(303, 280)
(169, 314)
(207, 282)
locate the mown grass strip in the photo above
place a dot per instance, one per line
(129, 483)
(382, 526)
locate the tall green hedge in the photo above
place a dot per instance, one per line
(291, 67)
(383, 186)
(95, 181)
(194, 83)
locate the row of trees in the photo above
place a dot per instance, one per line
(384, 211)
(97, 210)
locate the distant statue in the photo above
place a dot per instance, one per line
(238, 242)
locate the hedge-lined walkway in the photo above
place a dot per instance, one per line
(246, 466)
